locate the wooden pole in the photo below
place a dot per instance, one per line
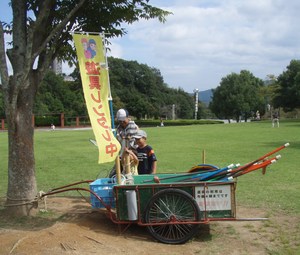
(62, 120)
(127, 163)
(33, 120)
(118, 169)
(203, 156)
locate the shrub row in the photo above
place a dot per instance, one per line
(155, 123)
(46, 121)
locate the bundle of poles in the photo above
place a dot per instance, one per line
(229, 172)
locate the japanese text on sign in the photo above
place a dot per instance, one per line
(213, 198)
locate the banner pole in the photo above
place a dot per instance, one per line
(109, 90)
(117, 160)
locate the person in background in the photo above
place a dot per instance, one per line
(145, 154)
(161, 122)
(275, 119)
(257, 115)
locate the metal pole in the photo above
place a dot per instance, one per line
(109, 90)
(196, 91)
(173, 112)
(117, 160)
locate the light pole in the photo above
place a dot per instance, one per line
(173, 112)
(196, 91)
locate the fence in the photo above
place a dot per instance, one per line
(62, 121)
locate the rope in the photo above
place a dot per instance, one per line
(19, 199)
(19, 204)
(26, 200)
(40, 196)
(41, 193)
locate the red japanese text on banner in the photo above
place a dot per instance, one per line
(94, 77)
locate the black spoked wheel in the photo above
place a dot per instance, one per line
(167, 212)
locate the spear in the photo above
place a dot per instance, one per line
(206, 176)
(264, 157)
(254, 167)
(177, 176)
(251, 168)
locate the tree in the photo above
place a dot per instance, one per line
(184, 105)
(56, 96)
(41, 32)
(2, 112)
(204, 112)
(143, 92)
(288, 90)
(268, 92)
(137, 87)
(238, 95)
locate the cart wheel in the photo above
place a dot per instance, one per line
(202, 167)
(172, 206)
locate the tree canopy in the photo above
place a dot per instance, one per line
(238, 95)
(287, 94)
(58, 96)
(141, 89)
(137, 87)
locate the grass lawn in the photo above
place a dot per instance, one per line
(64, 157)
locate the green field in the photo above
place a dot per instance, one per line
(67, 156)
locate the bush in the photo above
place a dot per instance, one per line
(46, 121)
(155, 123)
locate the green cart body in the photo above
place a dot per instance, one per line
(171, 210)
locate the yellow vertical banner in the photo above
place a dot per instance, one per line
(94, 77)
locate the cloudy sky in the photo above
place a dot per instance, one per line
(205, 40)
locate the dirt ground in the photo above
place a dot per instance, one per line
(71, 226)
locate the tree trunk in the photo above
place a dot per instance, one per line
(22, 188)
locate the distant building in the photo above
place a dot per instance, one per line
(57, 69)
(68, 78)
(57, 66)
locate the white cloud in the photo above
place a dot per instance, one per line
(204, 41)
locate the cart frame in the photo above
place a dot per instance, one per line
(174, 223)
(171, 210)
